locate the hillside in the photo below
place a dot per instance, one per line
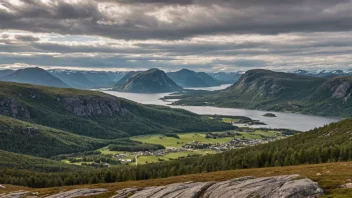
(74, 79)
(95, 114)
(189, 78)
(323, 145)
(36, 76)
(332, 178)
(151, 81)
(32, 139)
(278, 91)
(9, 160)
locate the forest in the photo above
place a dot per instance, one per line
(327, 144)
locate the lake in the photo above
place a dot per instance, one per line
(283, 120)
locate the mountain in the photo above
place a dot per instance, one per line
(117, 75)
(95, 114)
(5, 72)
(278, 91)
(150, 81)
(189, 78)
(36, 76)
(75, 79)
(324, 73)
(124, 79)
(226, 77)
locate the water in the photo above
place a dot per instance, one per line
(283, 120)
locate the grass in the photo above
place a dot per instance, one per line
(329, 176)
(171, 142)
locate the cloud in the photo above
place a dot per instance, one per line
(138, 19)
(199, 34)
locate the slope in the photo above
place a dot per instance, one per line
(29, 163)
(32, 139)
(150, 81)
(95, 114)
(36, 76)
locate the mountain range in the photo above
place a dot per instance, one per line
(150, 81)
(278, 91)
(324, 73)
(188, 78)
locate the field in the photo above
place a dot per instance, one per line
(172, 143)
(329, 176)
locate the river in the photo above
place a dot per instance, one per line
(282, 120)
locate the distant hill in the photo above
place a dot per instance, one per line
(95, 114)
(5, 72)
(75, 79)
(189, 78)
(278, 91)
(36, 76)
(150, 81)
(226, 77)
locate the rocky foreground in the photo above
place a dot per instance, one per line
(289, 186)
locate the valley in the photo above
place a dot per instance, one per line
(176, 146)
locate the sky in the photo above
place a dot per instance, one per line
(203, 35)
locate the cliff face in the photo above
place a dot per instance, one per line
(339, 87)
(11, 108)
(90, 106)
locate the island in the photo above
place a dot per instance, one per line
(269, 115)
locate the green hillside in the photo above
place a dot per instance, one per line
(9, 160)
(95, 114)
(327, 144)
(278, 91)
(32, 139)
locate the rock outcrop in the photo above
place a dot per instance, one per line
(92, 105)
(11, 108)
(79, 193)
(267, 187)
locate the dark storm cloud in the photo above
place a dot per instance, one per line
(137, 19)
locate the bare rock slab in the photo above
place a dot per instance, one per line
(79, 193)
(287, 186)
